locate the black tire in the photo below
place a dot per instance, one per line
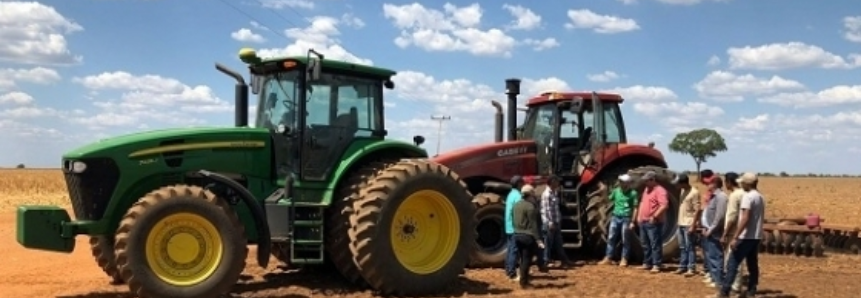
(374, 217)
(338, 222)
(140, 221)
(490, 242)
(281, 252)
(102, 248)
(599, 212)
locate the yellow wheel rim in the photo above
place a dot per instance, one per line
(184, 249)
(425, 232)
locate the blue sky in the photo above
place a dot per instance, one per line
(782, 87)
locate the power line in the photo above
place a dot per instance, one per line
(439, 119)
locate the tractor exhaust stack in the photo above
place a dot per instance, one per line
(512, 89)
(497, 123)
(241, 95)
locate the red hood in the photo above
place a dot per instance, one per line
(499, 161)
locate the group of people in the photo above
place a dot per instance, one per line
(725, 222)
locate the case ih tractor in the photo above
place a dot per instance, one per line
(579, 137)
(171, 212)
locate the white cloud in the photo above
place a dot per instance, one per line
(686, 2)
(541, 44)
(353, 21)
(148, 97)
(679, 116)
(794, 54)
(18, 98)
(604, 24)
(281, 4)
(640, 93)
(605, 76)
(246, 35)
(837, 95)
(727, 86)
(453, 29)
(321, 36)
(853, 28)
(532, 87)
(524, 18)
(9, 77)
(628, 2)
(34, 33)
(258, 26)
(714, 60)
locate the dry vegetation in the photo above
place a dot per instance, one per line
(832, 197)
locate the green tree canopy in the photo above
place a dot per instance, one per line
(701, 144)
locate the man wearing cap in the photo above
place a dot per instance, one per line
(688, 208)
(650, 218)
(713, 223)
(624, 199)
(748, 234)
(551, 219)
(705, 178)
(513, 197)
(732, 209)
(527, 233)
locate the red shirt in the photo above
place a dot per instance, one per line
(653, 199)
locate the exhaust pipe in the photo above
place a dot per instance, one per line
(512, 89)
(241, 95)
(497, 124)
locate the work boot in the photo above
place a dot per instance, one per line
(680, 271)
(690, 273)
(605, 261)
(623, 263)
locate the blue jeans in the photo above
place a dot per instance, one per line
(511, 257)
(688, 259)
(748, 251)
(552, 244)
(618, 226)
(714, 258)
(653, 249)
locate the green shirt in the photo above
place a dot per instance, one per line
(623, 202)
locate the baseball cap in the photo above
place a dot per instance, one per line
(624, 177)
(527, 189)
(516, 179)
(682, 179)
(747, 177)
(649, 175)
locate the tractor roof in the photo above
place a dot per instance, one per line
(569, 95)
(338, 65)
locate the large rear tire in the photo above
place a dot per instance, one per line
(412, 229)
(490, 242)
(180, 241)
(338, 222)
(102, 248)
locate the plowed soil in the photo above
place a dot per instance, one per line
(29, 273)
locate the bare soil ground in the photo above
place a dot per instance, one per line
(32, 274)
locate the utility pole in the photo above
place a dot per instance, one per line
(439, 119)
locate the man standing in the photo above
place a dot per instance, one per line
(551, 219)
(513, 197)
(731, 225)
(713, 221)
(650, 217)
(706, 177)
(527, 232)
(745, 240)
(688, 208)
(624, 199)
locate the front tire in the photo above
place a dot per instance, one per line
(490, 242)
(102, 248)
(412, 228)
(180, 241)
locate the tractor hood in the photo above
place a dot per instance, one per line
(139, 145)
(498, 161)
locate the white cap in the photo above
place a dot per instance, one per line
(747, 178)
(624, 177)
(527, 189)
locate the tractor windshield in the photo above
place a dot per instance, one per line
(277, 104)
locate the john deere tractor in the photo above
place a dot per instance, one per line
(171, 212)
(577, 136)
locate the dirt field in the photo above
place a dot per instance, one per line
(26, 273)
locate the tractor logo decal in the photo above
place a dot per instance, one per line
(512, 151)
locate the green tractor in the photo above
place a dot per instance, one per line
(171, 212)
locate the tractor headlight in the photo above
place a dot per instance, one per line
(78, 167)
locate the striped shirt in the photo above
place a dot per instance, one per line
(550, 207)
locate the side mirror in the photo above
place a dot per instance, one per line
(314, 69)
(255, 84)
(418, 140)
(389, 84)
(576, 105)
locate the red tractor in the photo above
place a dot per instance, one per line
(577, 136)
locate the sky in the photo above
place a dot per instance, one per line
(781, 87)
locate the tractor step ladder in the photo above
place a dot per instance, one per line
(571, 227)
(306, 241)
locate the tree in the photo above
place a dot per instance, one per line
(20, 166)
(700, 144)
